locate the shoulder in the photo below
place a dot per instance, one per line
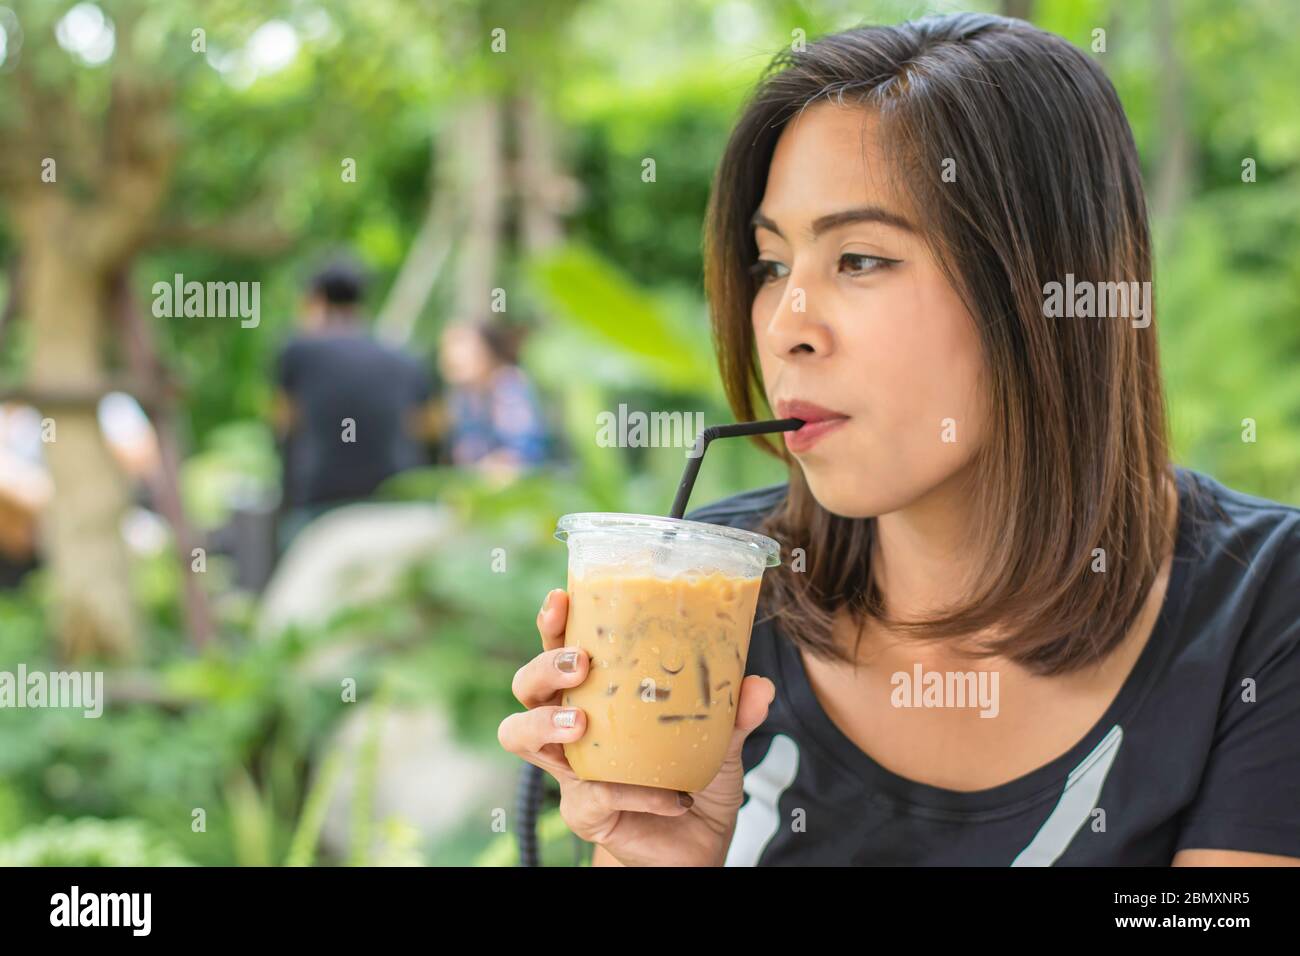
(290, 356)
(394, 362)
(1242, 577)
(1241, 539)
(306, 349)
(1240, 654)
(744, 510)
(511, 383)
(294, 346)
(415, 367)
(1241, 593)
(1239, 505)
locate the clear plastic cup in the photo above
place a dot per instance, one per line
(664, 608)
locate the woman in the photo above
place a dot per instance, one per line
(497, 426)
(982, 492)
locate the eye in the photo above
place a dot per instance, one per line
(857, 263)
(765, 270)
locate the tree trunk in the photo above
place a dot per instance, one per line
(1173, 173)
(156, 391)
(1020, 9)
(480, 172)
(428, 253)
(82, 528)
(544, 192)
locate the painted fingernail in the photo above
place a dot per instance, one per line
(567, 661)
(685, 799)
(565, 719)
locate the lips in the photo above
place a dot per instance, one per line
(817, 422)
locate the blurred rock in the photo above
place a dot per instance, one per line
(423, 778)
(348, 556)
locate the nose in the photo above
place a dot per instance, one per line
(794, 327)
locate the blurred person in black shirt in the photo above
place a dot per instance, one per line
(350, 411)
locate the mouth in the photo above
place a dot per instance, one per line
(817, 423)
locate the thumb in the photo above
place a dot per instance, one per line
(725, 793)
(756, 696)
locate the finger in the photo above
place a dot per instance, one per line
(551, 759)
(552, 617)
(550, 672)
(587, 806)
(756, 696)
(538, 735)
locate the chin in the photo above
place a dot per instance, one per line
(858, 489)
(844, 491)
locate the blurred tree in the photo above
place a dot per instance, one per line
(83, 183)
(87, 167)
(497, 176)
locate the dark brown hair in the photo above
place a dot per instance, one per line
(1048, 184)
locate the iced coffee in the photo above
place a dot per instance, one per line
(663, 608)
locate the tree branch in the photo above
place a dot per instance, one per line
(235, 235)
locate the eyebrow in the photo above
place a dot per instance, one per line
(836, 219)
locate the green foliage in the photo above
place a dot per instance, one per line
(556, 846)
(584, 289)
(231, 732)
(1227, 297)
(302, 850)
(236, 465)
(90, 842)
(364, 795)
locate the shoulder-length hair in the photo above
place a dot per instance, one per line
(1048, 187)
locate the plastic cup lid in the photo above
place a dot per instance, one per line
(678, 528)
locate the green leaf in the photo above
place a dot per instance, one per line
(583, 289)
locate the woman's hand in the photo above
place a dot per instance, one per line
(638, 826)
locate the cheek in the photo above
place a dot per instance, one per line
(758, 315)
(926, 366)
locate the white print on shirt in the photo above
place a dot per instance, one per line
(1082, 788)
(760, 817)
(766, 782)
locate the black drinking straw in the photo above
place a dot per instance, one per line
(721, 431)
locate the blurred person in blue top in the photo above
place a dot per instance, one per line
(495, 424)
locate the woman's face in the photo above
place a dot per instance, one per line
(463, 357)
(855, 316)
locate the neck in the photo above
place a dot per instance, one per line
(920, 556)
(487, 379)
(920, 553)
(334, 319)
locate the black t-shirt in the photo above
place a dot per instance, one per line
(354, 400)
(1181, 758)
